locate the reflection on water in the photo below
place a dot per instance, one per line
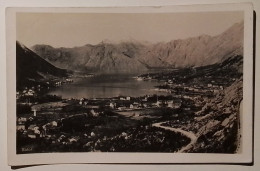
(105, 86)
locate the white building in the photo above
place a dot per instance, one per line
(54, 123)
(112, 105)
(20, 127)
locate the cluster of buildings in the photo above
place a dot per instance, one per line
(28, 127)
(33, 91)
(60, 83)
(28, 92)
(122, 103)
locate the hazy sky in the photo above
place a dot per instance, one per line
(77, 29)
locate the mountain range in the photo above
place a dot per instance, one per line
(135, 56)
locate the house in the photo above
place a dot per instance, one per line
(170, 103)
(135, 105)
(94, 113)
(33, 131)
(170, 81)
(44, 130)
(73, 139)
(123, 134)
(54, 123)
(198, 104)
(227, 110)
(196, 90)
(121, 108)
(187, 108)
(158, 103)
(144, 99)
(139, 78)
(191, 89)
(58, 83)
(112, 105)
(32, 136)
(31, 119)
(177, 96)
(136, 114)
(30, 92)
(31, 127)
(174, 104)
(35, 128)
(20, 127)
(81, 101)
(215, 91)
(61, 138)
(186, 97)
(37, 131)
(22, 119)
(92, 107)
(128, 98)
(69, 80)
(92, 134)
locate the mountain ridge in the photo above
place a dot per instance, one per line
(30, 67)
(136, 56)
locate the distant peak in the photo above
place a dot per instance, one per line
(204, 35)
(106, 41)
(20, 44)
(235, 27)
(42, 45)
(238, 24)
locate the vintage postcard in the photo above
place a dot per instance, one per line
(130, 84)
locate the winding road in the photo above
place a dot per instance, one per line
(190, 135)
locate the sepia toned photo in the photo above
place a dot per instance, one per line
(130, 82)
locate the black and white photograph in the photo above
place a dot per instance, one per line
(130, 82)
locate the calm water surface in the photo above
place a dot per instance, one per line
(106, 86)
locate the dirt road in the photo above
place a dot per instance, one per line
(190, 135)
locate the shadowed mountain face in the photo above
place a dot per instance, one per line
(135, 56)
(104, 57)
(31, 67)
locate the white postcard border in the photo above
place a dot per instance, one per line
(51, 158)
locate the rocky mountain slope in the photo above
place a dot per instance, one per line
(135, 56)
(219, 131)
(30, 67)
(215, 127)
(217, 124)
(197, 51)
